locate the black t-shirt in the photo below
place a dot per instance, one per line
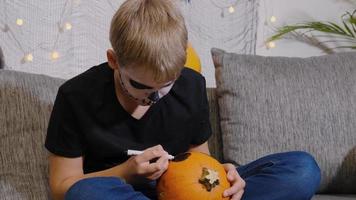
(88, 120)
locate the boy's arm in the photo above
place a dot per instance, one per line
(64, 172)
(204, 148)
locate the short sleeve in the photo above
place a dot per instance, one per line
(63, 135)
(203, 128)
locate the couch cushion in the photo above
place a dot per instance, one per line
(275, 104)
(26, 101)
(215, 141)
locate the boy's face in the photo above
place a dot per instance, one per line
(139, 85)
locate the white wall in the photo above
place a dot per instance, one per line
(235, 32)
(85, 44)
(289, 12)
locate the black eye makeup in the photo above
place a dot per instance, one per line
(141, 86)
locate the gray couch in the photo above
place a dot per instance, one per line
(26, 101)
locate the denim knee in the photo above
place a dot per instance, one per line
(89, 187)
(305, 174)
(103, 188)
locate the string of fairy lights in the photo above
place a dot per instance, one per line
(28, 53)
(230, 7)
(223, 6)
(270, 23)
(227, 8)
(65, 25)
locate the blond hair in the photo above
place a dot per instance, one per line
(151, 34)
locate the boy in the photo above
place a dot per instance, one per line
(143, 99)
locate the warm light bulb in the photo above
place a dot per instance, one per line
(271, 45)
(231, 9)
(273, 19)
(68, 26)
(54, 55)
(19, 22)
(28, 57)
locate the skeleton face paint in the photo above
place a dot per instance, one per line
(144, 95)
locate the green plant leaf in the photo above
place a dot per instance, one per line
(337, 27)
(286, 30)
(345, 47)
(346, 31)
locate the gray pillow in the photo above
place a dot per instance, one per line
(26, 102)
(276, 104)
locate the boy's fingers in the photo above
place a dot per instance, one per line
(229, 166)
(155, 175)
(162, 161)
(159, 165)
(238, 195)
(163, 167)
(147, 163)
(152, 168)
(232, 175)
(150, 154)
(238, 185)
(232, 190)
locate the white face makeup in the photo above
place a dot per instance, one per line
(143, 94)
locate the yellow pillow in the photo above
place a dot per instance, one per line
(193, 60)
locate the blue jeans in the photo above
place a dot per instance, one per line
(291, 175)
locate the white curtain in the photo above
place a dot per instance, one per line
(63, 38)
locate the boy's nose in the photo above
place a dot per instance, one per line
(154, 96)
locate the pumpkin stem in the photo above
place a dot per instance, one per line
(209, 178)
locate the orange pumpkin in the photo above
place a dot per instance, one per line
(193, 176)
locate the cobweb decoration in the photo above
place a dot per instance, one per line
(235, 32)
(85, 43)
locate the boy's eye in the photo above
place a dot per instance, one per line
(139, 85)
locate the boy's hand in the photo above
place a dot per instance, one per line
(140, 166)
(237, 183)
